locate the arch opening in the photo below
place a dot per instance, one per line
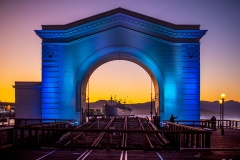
(124, 81)
(121, 79)
(120, 54)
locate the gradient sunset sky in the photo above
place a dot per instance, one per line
(20, 47)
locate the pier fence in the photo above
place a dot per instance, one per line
(181, 134)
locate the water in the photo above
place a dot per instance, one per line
(236, 118)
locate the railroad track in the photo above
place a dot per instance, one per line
(155, 140)
(134, 139)
(117, 138)
(84, 138)
(65, 139)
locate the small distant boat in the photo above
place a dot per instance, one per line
(116, 109)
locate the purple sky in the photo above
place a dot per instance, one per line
(20, 47)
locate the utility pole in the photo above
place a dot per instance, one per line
(88, 113)
(151, 100)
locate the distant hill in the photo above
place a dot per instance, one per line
(231, 108)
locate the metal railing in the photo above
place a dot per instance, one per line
(38, 136)
(191, 135)
(197, 124)
(33, 121)
(6, 137)
(232, 124)
(204, 123)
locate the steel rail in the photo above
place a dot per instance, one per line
(124, 134)
(156, 137)
(146, 135)
(81, 133)
(67, 135)
(160, 135)
(99, 138)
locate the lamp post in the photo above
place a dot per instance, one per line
(88, 113)
(151, 105)
(220, 117)
(222, 111)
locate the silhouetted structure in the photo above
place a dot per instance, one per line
(72, 52)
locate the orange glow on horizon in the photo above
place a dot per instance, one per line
(123, 80)
(121, 76)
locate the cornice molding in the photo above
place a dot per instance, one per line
(123, 11)
(116, 20)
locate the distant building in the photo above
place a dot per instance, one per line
(28, 100)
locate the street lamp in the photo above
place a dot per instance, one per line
(220, 103)
(222, 113)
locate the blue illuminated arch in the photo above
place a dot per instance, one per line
(169, 53)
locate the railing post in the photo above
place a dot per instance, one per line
(36, 137)
(197, 140)
(21, 136)
(181, 142)
(71, 139)
(15, 136)
(202, 140)
(184, 140)
(193, 138)
(43, 136)
(29, 136)
(48, 135)
(188, 140)
(208, 140)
